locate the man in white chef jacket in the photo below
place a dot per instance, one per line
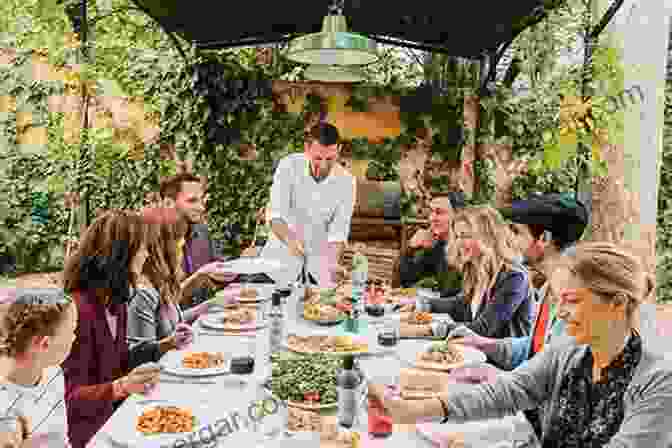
(312, 200)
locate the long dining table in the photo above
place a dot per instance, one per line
(218, 395)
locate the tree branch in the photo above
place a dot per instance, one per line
(606, 18)
(115, 11)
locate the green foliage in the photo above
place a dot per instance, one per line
(664, 223)
(540, 179)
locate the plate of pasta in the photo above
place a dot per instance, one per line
(161, 423)
(197, 364)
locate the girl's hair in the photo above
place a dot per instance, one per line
(28, 315)
(499, 248)
(613, 274)
(102, 262)
(163, 267)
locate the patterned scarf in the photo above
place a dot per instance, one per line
(590, 414)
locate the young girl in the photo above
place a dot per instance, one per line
(154, 313)
(497, 302)
(37, 331)
(98, 372)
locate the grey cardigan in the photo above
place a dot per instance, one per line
(145, 322)
(647, 400)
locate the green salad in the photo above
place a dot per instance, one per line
(305, 378)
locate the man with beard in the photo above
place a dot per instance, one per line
(312, 201)
(186, 194)
(430, 258)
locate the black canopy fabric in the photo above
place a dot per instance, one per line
(465, 29)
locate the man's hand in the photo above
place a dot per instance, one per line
(296, 247)
(216, 273)
(251, 251)
(421, 239)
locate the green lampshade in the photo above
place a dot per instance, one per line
(334, 73)
(334, 45)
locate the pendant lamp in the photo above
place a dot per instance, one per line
(334, 73)
(334, 45)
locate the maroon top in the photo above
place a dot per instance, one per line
(95, 361)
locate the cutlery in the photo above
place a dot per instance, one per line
(115, 443)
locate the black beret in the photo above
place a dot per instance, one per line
(561, 214)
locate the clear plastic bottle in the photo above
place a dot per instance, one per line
(348, 387)
(360, 274)
(277, 323)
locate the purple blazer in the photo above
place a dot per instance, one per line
(95, 361)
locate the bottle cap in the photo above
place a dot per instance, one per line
(349, 362)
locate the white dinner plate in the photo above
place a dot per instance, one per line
(173, 365)
(410, 349)
(256, 265)
(215, 321)
(132, 437)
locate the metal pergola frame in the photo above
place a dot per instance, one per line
(489, 60)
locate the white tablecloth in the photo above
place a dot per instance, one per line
(228, 393)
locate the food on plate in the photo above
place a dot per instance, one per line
(317, 312)
(248, 293)
(239, 316)
(306, 380)
(419, 318)
(203, 360)
(327, 344)
(443, 353)
(166, 419)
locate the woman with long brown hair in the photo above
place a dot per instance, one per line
(154, 312)
(101, 371)
(605, 388)
(497, 301)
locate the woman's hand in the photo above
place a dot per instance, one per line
(401, 411)
(13, 431)
(465, 336)
(140, 380)
(184, 335)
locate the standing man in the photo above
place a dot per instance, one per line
(186, 194)
(431, 260)
(312, 200)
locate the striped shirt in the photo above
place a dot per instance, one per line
(44, 406)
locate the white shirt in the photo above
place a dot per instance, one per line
(319, 213)
(43, 404)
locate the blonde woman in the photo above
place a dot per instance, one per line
(497, 302)
(604, 389)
